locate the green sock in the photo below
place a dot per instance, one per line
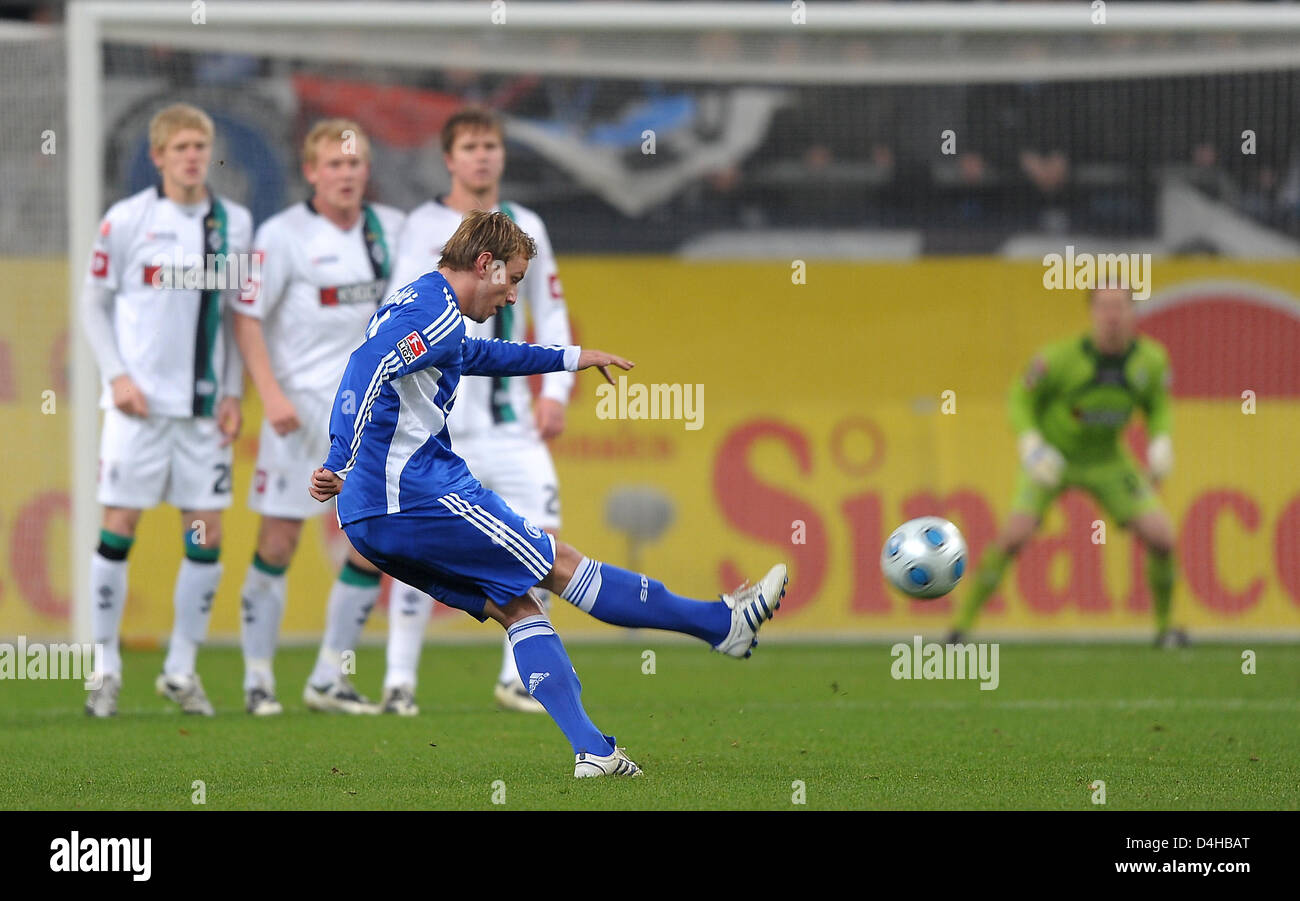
(1160, 577)
(987, 576)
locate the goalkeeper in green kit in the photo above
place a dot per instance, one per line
(1069, 411)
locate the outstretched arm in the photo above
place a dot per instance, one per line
(494, 357)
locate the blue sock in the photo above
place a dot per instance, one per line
(545, 668)
(624, 598)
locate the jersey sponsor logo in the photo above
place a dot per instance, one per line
(99, 264)
(360, 292)
(412, 347)
(1107, 418)
(328, 258)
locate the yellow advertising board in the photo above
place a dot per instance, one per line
(801, 414)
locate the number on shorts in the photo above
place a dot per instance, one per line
(222, 484)
(552, 500)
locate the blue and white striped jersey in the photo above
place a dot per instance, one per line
(388, 432)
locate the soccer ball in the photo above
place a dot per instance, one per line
(924, 557)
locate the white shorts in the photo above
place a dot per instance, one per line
(180, 460)
(516, 465)
(285, 462)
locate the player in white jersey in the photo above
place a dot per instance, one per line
(496, 427)
(324, 265)
(155, 309)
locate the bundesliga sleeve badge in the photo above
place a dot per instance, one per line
(411, 347)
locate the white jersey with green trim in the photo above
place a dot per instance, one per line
(171, 339)
(487, 403)
(319, 286)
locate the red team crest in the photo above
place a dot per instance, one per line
(412, 346)
(99, 264)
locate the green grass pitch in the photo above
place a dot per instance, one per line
(1170, 730)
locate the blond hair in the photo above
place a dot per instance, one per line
(341, 130)
(177, 117)
(482, 231)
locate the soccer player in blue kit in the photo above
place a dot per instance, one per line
(411, 507)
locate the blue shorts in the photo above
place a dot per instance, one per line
(464, 549)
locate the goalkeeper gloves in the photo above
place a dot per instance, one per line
(1160, 457)
(1043, 463)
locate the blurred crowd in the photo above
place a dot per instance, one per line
(966, 164)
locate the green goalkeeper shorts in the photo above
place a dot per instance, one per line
(1118, 486)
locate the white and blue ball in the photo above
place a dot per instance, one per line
(924, 557)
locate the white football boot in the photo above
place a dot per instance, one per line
(337, 697)
(260, 702)
(187, 691)
(751, 606)
(515, 697)
(586, 765)
(102, 701)
(400, 699)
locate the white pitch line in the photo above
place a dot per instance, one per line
(1229, 704)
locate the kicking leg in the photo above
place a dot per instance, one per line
(629, 599)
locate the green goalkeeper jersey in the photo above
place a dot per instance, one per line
(1080, 400)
